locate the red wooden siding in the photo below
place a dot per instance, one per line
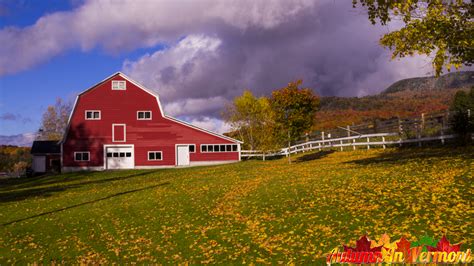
(120, 107)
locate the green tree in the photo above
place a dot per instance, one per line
(54, 121)
(462, 120)
(294, 110)
(253, 120)
(438, 28)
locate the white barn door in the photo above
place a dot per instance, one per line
(39, 164)
(119, 158)
(182, 155)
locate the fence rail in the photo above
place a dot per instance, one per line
(423, 128)
(381, 139)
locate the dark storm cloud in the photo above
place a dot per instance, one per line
(330, 46)
(215, 49)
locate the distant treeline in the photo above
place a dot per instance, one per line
(11, 155)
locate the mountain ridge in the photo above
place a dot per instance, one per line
(404, 98)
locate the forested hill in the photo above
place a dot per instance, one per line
(404, 98)
(455, 80)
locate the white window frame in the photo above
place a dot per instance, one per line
(189, 145)
(151, 160)
(88, 153)
(116, 85)
(93, 111)
(124, 132)
(213, 151)
(144, 111)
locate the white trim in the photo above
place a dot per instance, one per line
(213, 151)
(191, 164)
(88, 157)
(124, 133)
(202, 129)
(204, 163)
(66, 132)
(117, 83)
(105, 146)
(194, 148)
(144, 111)
(240, 153)
(68, 169)
(148, 156)
(93, 111)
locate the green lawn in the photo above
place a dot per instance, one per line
(246, 212)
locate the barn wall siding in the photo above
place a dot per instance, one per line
(120, 107)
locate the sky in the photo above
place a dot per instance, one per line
(197, 55)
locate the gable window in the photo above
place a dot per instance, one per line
(192, 148)
(218, 148)
(81, 156)
(155, 156)
(144, 115)
(120, 85)
(92, 115)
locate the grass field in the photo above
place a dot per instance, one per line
(246, 212)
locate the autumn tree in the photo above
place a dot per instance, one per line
(54, 121)
(294, 110)
(438, 28)
(253, 121)
(462, 120)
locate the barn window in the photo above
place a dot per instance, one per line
(81, 156)
(218, 147)
(92, 115)
(144, 115)
(192, 148)
(119, 85)
(155, 156)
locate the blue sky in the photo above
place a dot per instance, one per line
(197, 55)
(25, 95)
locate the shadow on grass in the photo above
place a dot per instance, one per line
(313, 156)
(21, 194)
(85, 203)
(403, 155)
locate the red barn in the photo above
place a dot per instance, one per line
(119, 124)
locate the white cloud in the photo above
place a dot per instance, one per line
(212, 124)
(128, 24)
(215, 49)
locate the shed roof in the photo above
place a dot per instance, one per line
(45, 146)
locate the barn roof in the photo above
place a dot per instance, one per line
(45, 147)
(159, 105)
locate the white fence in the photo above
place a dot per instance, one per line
(378, 139)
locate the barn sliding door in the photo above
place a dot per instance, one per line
(119, 133)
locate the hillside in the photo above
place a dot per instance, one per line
(249, 212)
(455, 80)
(404, 98)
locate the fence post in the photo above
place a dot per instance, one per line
(383, 141)
(443, 125)
(353, 144)
(400, 131)
(348, 130)
(368, 146)
(341, 145)
(322, 136)
(422, 121)
(319, 146)
(418, 133)
(264, 156)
